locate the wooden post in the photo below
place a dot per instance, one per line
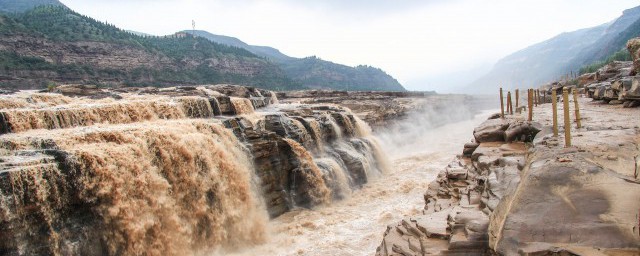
(517, 98)
(501, 104)
(567, 121)
(535, 100)
(554, 105)
(577, 108)
(507, 104)
(510, 102)
(530, 102)
(544, 97)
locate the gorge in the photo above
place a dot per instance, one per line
(181, 170)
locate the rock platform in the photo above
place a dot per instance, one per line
(516, 190)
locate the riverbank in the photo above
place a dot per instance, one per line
(534, 196)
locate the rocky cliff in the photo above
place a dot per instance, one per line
(173, 171)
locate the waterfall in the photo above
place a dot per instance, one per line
(168, 172)
(26, 99)
(308, 180)
(171, 187)
(66, 116)
(242, 106)
(337, 177)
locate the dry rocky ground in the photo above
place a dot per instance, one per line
(518, 190)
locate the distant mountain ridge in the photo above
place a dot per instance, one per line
(314, 72)
(560, 55)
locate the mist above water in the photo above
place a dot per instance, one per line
(422, 131)
(419, 147)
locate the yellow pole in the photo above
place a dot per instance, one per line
(507, 104)
(577, 108)
(517, 98)
(554, 104)
(567, 121)
(510, 103)
(530, 102)
(501, 104)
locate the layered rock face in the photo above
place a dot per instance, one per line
(612, 84)
(615, 83)
(173, 171)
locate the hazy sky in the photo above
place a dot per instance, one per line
(412, 40)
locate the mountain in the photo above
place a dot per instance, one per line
(18, 6)
(53, 44)
(560, 55)
(313, 72)
(265, 51)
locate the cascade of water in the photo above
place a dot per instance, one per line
(33, 100)
(274, 98)
(334, 130)
(336, 176)
(310, 185)
(314, 130)
(173, 187)
(215, 106)
(196, 107)
(242, 106)
(18, 120)
(130, 181)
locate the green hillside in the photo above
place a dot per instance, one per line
(18, 6)
(85, 45)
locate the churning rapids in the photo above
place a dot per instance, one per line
(418, 149)
(209, 170)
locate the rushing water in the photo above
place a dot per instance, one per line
(168, 175)
(354, 226)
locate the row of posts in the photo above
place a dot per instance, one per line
(534, 99)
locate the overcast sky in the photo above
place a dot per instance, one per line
(412, 40)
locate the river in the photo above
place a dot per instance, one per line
(354, 226)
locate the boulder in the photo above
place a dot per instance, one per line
(469, 148)
(491, 130)
(633, 46)
(522, 131)
(633, 91)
